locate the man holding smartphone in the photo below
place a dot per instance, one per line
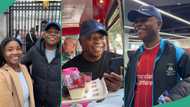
(94, 58)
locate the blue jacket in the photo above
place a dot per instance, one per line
(171, 73)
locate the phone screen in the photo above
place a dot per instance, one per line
(115, 65)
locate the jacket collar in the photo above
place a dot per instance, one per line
(162, 44)
(40, 45)
(16, 82)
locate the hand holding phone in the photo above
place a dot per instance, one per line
(113, 81)
(115, 65)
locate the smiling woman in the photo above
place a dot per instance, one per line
(10, 52)
(16, 88)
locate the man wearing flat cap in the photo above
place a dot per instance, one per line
(159, 72)
(94, 58)
(45, 58)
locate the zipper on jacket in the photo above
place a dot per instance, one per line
(135, 80)
(132, 97)
(155, 62)
(153, 83)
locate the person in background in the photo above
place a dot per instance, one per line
(16, 89)
(68, 49)
(21, 39)
(18, 36)
(43, 24)
(159, 72)
(30, 39)
(45, 58)
(94, 58)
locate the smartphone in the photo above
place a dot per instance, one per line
(115, 65)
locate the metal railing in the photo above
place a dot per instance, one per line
(24, 15)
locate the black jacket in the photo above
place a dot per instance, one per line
(46, 76)
(171, 73)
